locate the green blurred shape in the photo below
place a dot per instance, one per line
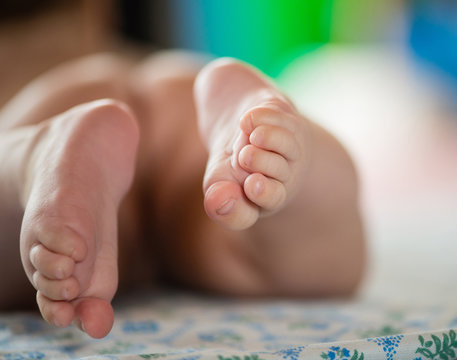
(265, 33)
(271, 33)
(363, 20)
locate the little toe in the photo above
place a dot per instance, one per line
(268, 194)
(265, 115)
(64, 241)
(58, 313)
(277, 139)
(67, 289)
(226, 204)
(94, 316)
(51, 265)
(268, 163)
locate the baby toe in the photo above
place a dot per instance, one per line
(265, 115)
(58, 313)
(51, 265)
(64, 241)
(67, 289)
(269, 194)
(94, 316)
(268, 163)
(277, 139)
(226, 205)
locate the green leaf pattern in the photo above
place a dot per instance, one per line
(444, 348)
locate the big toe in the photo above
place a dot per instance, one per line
(226, 204)
(94, 316)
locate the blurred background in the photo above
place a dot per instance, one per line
(381, 75)
(266, 33)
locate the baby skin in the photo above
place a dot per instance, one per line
(81, 158)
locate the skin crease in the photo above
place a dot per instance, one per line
(76, 172)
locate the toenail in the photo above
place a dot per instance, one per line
(34, 278)
(33, 251)
(56, 322)
(256, 137)
(258, 188)
(59, 273)
(251, 121)
(247, 159)
(65, 293)
(226, 207)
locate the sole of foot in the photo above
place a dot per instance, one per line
(80, 167)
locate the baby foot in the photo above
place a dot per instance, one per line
(257, 142)
(80, 167)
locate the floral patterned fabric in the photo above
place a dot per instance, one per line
(167, 325)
